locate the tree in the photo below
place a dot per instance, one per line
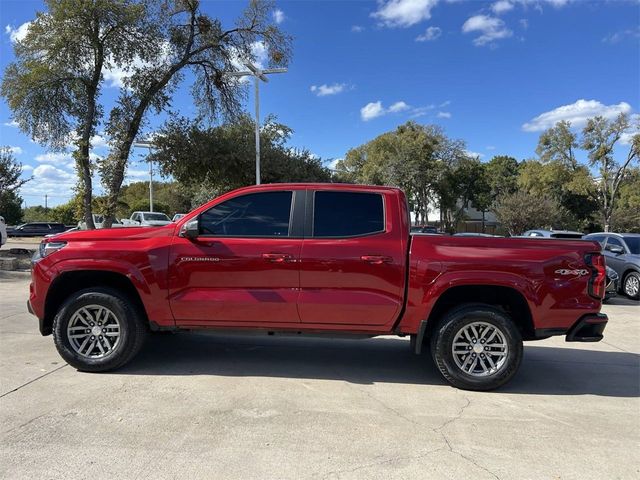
(557, 144)
(626, 214)
(521, 211)
(54, 84)
(502, 175)
(599, 139)
(572, 187)
(413, 157)
(10, 182)
(168, 197)
(190, 40)
(222, 158)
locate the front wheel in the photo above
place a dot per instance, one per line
(477, 347)
(631, 285)
(98, 329)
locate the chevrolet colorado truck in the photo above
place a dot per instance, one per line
(316, 259)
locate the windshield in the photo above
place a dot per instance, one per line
(156, 216)
(634, 244)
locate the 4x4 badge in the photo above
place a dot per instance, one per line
(564, 271)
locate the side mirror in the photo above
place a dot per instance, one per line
(191, 229)
(615, 249)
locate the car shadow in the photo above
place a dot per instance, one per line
(622, 300)
(545, 370)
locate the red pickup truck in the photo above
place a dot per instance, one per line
(316, 259)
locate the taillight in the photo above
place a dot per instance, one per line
(598, 279)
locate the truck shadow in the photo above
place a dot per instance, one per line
(545, 370)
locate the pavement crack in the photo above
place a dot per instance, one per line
(34, 380)
(450, 446)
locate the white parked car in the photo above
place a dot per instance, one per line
(98, 220)
(149, 219)
(177, 217)
(3, 231)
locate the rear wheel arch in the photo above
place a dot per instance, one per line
(507, 299)
(69, 283)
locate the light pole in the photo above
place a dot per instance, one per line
(149, 145)
(257, 75)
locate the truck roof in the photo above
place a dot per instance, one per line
(317, 186)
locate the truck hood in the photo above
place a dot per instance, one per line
(121, 233)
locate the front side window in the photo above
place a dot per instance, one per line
(634, 244)
(347, 214)
(264, 214)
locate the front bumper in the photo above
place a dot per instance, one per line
(588, 329)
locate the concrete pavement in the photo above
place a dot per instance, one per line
(199, 405)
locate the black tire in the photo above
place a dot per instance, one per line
(631, 277)
(132, 329)
(454, 322)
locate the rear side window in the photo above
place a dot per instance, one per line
(347, 214)
(598, 238)
(264, 214)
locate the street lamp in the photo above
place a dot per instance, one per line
(149, 145)
(257, 75)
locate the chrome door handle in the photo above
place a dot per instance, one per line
(376, 259)
(277, 257)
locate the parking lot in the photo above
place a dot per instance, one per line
(198, 405)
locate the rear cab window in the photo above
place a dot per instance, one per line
(340, 214)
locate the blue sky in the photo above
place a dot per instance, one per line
(492, 73)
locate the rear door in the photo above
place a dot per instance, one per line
(353, 258)
(243, 267)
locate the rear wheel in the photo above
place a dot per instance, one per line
(477, 347)
(98, 330)
(631, 285)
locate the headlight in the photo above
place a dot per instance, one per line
(47, 248)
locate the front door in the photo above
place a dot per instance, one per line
(352, 261)
(242, 268)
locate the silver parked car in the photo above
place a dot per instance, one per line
(622, 253)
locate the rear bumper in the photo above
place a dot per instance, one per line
(588, 328)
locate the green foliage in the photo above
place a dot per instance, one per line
(626, 215)
(168, 198)
(36, 214)
(572, 187)
(10, 171)
(10, 207)
(223, 158)
(420, 159)
(557, 144)
(521, 211)
(502, 175)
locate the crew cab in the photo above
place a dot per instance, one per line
(317, 259)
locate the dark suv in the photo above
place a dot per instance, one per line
(36, 229)
(622, 252)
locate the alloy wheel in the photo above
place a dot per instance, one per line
(94, 331)
(480, 349)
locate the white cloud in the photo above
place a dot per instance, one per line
(98, 141)
(278, 16)
(17, 34)
(16, 150)
(429, 35)
(501, 6)
(324, 90)
(376, 109)
(445, 103)
(52, 174)
(333, 163)
(357, 28)
(443, 115)
(372, 110)
(56, 158)
(577, 113)
(11, 123)
(620, 36)
(474, 154)
(491, 147)
(403, 13)
(27, 168)
(490, 28)
(398, 107)
(524, 23)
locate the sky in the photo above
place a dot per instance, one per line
(493, 73)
